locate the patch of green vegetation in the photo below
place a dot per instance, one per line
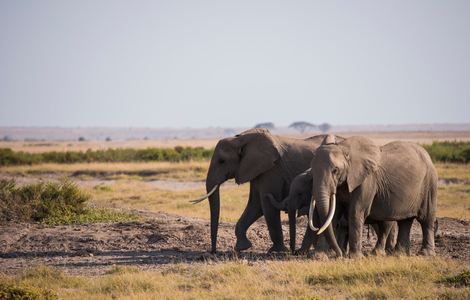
(52, 203)
(459, 280)
(92, 215)
(24, 292)
(9, 157)
(458, 152)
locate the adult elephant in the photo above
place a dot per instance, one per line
(298, 201)
(395, 182)
(269, 163)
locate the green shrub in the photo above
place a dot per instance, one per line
(37, 202)
(462, 279)
(22, 292)
(458, 152)
(10, 157)
(51, 203)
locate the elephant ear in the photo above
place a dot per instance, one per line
(259, 151)
(363, 156)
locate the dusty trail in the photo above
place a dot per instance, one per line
(163, 240)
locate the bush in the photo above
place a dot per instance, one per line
(40, 201)
(458, 152)
(51, 203)
(462, 279)
(9, 157)
(25, 292)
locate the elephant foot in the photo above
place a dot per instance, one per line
(242, 244)
(278, 249)
(356, 255)
(427, 252)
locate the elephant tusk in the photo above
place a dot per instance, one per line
(310, 215)
(330, 214)
(200, 199)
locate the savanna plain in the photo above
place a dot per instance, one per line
(131, 233)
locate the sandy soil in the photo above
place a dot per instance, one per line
(163, 240)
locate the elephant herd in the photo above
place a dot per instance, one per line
(340, 183)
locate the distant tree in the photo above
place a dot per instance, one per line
(302, 126)
(267, 125)
(7, 138)
(146, 138)
(81, 139)
(108, 139)
(325, 127)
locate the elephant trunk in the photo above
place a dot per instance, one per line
(214, 204)
(292, 224)
(326, 212)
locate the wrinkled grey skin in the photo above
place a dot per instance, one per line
(269, 163)
(298, 201)
(395, 182)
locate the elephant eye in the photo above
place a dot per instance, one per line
(221, 160)
(335, 171)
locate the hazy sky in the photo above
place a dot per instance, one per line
(237, 63)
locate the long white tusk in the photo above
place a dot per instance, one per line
(310, 215)
(200, 199)
(330, 214)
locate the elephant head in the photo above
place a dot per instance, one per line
(243, 157)
(334, 164)
(300, 193)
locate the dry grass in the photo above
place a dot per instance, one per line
(454, 191)
(46, 146)
(453, 171)
(140, 195)
(194, 170)
(454, 201)
(370, 278)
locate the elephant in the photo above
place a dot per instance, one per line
(269, 163)
(298, 200)
(394, 182)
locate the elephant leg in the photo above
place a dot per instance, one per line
(392, 237)
(310, 238)
(356, 222)
(273, 220)
(382, 229)
(427, 247)
(251, 213)
(404, 241)
(341, 229)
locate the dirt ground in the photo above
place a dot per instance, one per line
(162, 240)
